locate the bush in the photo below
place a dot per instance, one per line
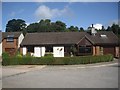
(18, 54)
(49, 60)
(49, 55)
(5, 59)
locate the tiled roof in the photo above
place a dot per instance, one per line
(15, 34)
(50, 38)
(103, 37)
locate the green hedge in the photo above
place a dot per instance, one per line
(49, 60)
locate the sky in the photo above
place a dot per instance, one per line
(81, 14)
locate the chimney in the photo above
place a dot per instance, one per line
(92, 25)
(93, 31)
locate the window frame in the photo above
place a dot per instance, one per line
(86, 49)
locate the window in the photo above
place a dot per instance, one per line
(30, 49)
(83, 49)
(103, 36)
(49, 49)
(10, 38)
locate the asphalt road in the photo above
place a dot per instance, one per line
(65, 77)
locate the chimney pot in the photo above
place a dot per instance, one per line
(92, 25)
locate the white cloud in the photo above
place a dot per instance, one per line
(97, 26)
(44, 12)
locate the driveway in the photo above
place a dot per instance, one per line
(102, 75)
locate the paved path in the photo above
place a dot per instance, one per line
(102, 75)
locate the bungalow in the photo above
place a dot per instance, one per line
(61, 44)
(11, 42)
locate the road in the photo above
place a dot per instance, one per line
(76, 76)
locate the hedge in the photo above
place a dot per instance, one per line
(49, 60)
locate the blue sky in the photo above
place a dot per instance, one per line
(81, 14)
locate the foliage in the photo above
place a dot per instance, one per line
(115, 28)
(73, 29)
(6, 58)
(73, 49)
(46, 25)
(48, 55)
(15, 25)
(81, 29)
(49, 60)
(18, 54)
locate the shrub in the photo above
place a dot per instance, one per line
(18, 54)
(5, 59)
(49, 55)
(49, 60)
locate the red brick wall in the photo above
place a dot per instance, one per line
(6, 46)
(109, 50)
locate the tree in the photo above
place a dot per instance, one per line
(47, 26)
(115, 28)
(15, 25)
(44, 25)
(73, 29)
(81, 29)
(108, 28)
(60, 26)
(103, 29)
(32, 28)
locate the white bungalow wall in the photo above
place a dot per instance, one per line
(58, 51)
(39, 51)
(24, 50)
(43, 51)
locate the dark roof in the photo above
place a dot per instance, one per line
(68, 38)
(15, 34)
(108, 38)
(52, 38)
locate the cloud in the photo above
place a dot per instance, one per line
(97, 26)
(44, 12)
